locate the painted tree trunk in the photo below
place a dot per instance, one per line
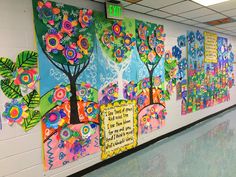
(151, 87)
(74, 115)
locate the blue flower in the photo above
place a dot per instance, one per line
(191, 37)
(141, 100)
(176, 52)
(200, 51)
(199, 36)
(53, 119)
(76, 147)
(181, 41)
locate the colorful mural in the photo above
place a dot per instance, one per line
(104, 83)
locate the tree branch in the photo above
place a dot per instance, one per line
(82, 69)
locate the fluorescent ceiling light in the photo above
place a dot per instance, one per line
(209, 2)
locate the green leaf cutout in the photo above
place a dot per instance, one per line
(27, 59)
(32, 99)
(7, 67)
(10, 89)
(32, 120)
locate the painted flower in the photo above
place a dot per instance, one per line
(180, 74)
(142, 32)
(131, 90)
(47, 13)
(152, 41)
(72, 54)
(83, 44)
(168, 55)
(66, 134)
(83, 91)
(60, 94)
(160, 35)
(160, 50)
(119, 54)
(85, 17)
(91, 110)
(200, 51)
(110, 93)
(107, 39)
(129, 41)
(26, 78)
(76, 147)
(182, 65)
(54, 119)
(199, 36)
(191, 37)
(192, 52)
(144, 84)
(15, 112)
(53, 41)
(68, 25)
(230, 47)
(176, 52)
(141, 100)
(117, 29)
(145, 119)
(181, 41)
(157, 81)
(172, 73)
(86, 131)
(152, 57)
(143, 48)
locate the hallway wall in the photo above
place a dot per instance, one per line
(20, 152)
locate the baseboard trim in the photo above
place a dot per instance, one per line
(142, 146)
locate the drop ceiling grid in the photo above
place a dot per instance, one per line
(185, 12)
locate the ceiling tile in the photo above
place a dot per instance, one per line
(197, 13)
(176, 18)
(181, 7)
(158, 13)
(158, 4)
(201, 25)
(124, 3)
(189, 22)
(224, 6)
(229, 13)
(100, 0)
(227, 25)
(138, 8)
(207, 18)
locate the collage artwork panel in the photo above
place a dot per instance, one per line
(99, 85)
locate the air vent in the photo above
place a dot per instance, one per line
(220, 21)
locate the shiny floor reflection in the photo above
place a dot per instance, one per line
(205, 150)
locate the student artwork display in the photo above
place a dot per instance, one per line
(208, 83)
(19, 86)
(151, 94)
(69, 97)
(104, 83)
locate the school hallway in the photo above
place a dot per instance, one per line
(204, 150)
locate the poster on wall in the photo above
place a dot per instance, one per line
(210, 46)
(207, 83)
(68, 89)
(119, 131)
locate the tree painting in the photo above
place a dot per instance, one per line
(150, 45)
(66, 37)
(116, 38)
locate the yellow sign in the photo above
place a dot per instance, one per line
(211, 55)
(119, 131)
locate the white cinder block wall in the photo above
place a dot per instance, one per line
(20, 152)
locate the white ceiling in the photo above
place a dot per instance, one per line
(188, 12)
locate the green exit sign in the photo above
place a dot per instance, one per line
(114, 11)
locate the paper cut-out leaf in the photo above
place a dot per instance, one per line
(7, 67)
(32, 120)
(10, 89)
(32, 99)
(27, 59)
